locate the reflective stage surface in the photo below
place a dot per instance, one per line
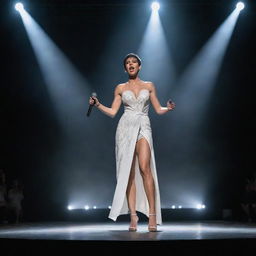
(103, 231)
(207, 237)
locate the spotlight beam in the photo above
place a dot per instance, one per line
(154, 49)
(197, 80)
(66, 86)
(194, 89)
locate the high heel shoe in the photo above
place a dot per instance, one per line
(134, 228)
(152, 228)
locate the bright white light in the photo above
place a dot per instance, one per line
(240, 6)
(70, 207)
(200, 206)
(94, 207)
(173, 207)
(180, 206)
(19, 7)
(86, 207)
(155, 6)
(109, 207)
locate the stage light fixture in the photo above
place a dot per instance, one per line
(19, 7)
(240, 6)
(155, 6)
(200, 206)
(70, 208)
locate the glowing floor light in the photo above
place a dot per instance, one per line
(200, 206)
(240, 6)
(19, 7)
(155, 6)
(70, 207)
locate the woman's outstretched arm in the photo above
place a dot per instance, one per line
(155, 102)
(112, 111)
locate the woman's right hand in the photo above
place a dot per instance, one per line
(94, 101)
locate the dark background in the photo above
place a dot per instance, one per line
(95, 36)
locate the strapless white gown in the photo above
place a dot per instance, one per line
(133, 124)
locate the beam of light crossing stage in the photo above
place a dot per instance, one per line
(192, 95)
(68, 90)
(71, 163)
(197, 82)
(157, 63)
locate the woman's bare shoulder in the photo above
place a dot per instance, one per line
(148, 84)
(119, 88)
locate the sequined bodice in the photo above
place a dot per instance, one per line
(139, 104)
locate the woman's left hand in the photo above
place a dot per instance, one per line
(170, 105)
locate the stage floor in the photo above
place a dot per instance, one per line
(119, 231)
(210, 238)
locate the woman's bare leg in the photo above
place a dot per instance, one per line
(131, 194)
(144, 156)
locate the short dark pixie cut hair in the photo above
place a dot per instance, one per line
(132, 55)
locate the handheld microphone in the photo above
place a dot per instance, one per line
(94, 94)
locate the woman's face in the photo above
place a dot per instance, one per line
(132, 66)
